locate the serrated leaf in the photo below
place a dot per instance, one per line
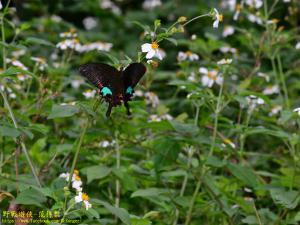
(31, 196)
(288, 199)
(244, 174)
(121, 213)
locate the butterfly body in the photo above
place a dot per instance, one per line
(116, 86)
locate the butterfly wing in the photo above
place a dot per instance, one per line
(131, 76)
(107, 79)
(100, 74)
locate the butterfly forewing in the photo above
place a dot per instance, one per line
(100, 74)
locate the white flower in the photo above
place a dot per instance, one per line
(228, 30)
(83, 197)
(286, 0)
(254, 19)
(22, 77)
(188, 55)
(230, 4)
(17, 54)
(99, 45)
(76, 83)
(89, 94)
(217, 18)
(226, 49)
(17, 63)
(56, 18)
(254, 3)
(210, 77)
(238, 11)
(1, 5)
(76, 183)
(297, 110)
(298, 45)
(138, 93)
(41, 62)
(229, 142)
(65, 176)
(157, 118)
(152, 98)
(152, 50)
(194, 37)
(69, 43)
(270, 90)
(107, 4)
(151, 4)
(69, 34)
(275, 110)
(192, 77)
(265, 76)
(105, 144)
(253, 101)
(69, 103)
(89, 23)
(224, 62)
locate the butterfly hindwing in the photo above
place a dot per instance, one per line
(132, 75)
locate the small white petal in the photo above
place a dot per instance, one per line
(146, 47)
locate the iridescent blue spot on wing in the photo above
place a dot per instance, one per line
(129, 90)
(106, 91)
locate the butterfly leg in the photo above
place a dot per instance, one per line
(108, 112)
(127, 108)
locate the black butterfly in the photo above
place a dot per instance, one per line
(115, 86)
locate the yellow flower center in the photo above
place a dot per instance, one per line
(85, 197)
(77, 178)
(221, 17)
(227, 141)
(154, 45)
(238, 7)
(182, 19)
(211, 75)
(188, 53)
(76, 172)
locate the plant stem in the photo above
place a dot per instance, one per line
(281, 76)
(191, 206)
(24, 149)
(217, 111)
(195, 18)
(118, 186)
(257, 214)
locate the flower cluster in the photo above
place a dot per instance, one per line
(158, 118)
(77, 185)
(72, 42)
(188, 55)
(40, 62)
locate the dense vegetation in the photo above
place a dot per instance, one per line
(214, 132)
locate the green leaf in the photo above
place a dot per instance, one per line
(150, 192)
(38, 41)
(95, 172)
(9, 132)
(16, 70)
(172, 40)
(244, 174)
(140, 221)
(31, 196)
(121, 213)
(60, 111)
(167, 152)
(288, 199)
(187, 129)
